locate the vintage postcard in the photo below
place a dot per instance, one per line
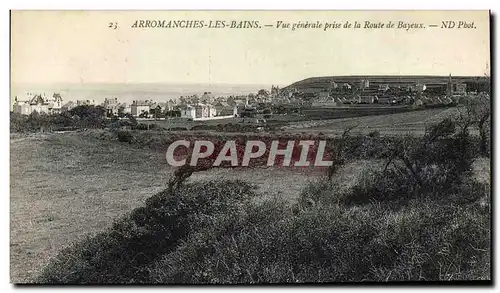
(250, 147)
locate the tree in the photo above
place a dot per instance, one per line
(476, 111)
(132, 119)
(18, 122)
(263, 92)
(337, 152)
(156, 112)
(121, 112)
(481, 112)
(440, 158)
(38, 121)
(90, 116)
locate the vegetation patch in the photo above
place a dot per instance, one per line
(415, 218)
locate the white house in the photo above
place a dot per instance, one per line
(111, 105)
(56, 103)
(224, 109)
(188, 112)
(198, 111)
(205, 111)
(38, 103)
(22, 107)
(139, 107)
(68, 106)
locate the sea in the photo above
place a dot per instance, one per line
(128, 92)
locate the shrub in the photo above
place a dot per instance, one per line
(144, 126)
(120, 254)
(215, 233)
(17, 122)
(374, 133)
(417, 218)
(332, 243)
(125, 136)
(178, 129)
(204, 127)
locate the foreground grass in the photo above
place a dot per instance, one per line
(213, 232)
(423, 216)
(390, 224)
(66, 186)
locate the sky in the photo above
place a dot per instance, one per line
(79, 47)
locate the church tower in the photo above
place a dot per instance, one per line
(449, 87)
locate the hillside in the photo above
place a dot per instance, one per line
(317, 84)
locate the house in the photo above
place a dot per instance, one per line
(163, 106)
(241, 102)
(383, 87)
(366, 99)
(22, 107)
(205, 111)
(111, 105)
(207, 98)
(56, 103)
(418, 87)
(170, 105)
(323, 96)
(460, 88)
(39, 103)
(346, 86)
(188, 111)
(68, 106)
(323, 99)
(224, 109)
(333, 85)
(138, 107)
(364, 83)
(124, 109)
(275, 91)
(198, 111)
(418, 103)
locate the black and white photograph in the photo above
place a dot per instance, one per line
(250, 147)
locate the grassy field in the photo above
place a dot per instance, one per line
(64, 186)
(181, 122)
(387, 124)
(391, 124)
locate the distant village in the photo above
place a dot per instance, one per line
(207, 106)
(204, 107)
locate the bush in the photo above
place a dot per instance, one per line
(214, 233)
(17, 122)
(374, 133)
(178, 129)
(121, 254)
(203, 127)
(144, 126)
(125, 136)
(333, 243)
(420, 217)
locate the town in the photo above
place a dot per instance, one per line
(314, 94)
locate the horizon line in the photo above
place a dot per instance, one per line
(228, 83)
